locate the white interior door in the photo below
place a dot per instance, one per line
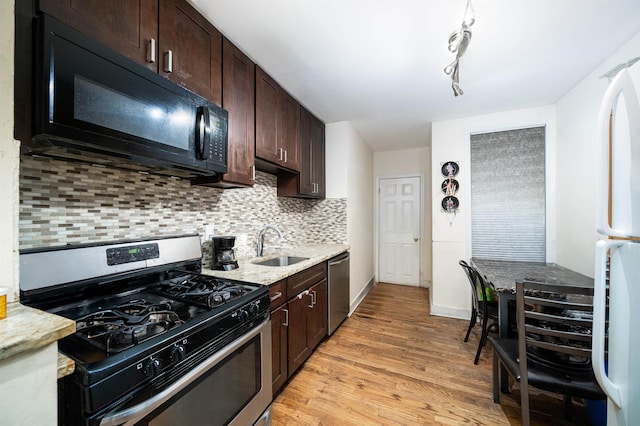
(399, 233)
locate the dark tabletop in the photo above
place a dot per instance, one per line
(504, 274)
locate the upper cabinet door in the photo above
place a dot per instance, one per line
(190, 50)
(129, 27)
(238, 96)
(305, 179)
(288, 130)
(310, 182)
(317, 158)
(266, 106)
(277, 124)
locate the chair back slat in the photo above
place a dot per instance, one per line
(554, 324)
(561, 304)
(560, 320)
(583, 353)
(576, 336)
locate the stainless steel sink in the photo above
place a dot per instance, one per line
(280, 261)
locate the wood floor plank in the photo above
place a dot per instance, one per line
(392, 363)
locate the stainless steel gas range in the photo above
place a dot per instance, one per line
(157, 343)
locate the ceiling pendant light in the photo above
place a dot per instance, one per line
(458, 42)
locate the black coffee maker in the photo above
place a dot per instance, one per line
(224, 256)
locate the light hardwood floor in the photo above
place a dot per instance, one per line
(391, 363)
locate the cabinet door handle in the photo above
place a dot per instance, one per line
(168, 63)
(253, 172)
(276, 296)
(314, 300)
(285, 155)
(286, 318)
(301, 295)
(281, 150)
(151, 54)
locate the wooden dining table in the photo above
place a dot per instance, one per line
(504, 274)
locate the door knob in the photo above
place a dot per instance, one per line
(415, 238)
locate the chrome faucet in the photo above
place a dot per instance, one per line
(261, 236)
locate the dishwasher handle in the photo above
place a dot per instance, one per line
(339, 259)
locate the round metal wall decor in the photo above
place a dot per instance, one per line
(450, 168)
(449, 186)
(450, 204)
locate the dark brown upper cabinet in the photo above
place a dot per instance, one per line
(167, 36)
(277, 126)
(310, 182)
(123, 25)
(238, 95)
(190, 50)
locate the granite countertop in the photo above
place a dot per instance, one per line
(250, 272)
(27, 328)
(504, 274)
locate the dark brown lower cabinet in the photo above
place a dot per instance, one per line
(279, 347)
(299, 316)
(317, 325)
(298, 325)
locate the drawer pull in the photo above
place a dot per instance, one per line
(151, 54)
(168, 67)
(277, 295)
(286, 318)
(304, 293)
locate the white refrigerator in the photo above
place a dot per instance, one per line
(618, 257)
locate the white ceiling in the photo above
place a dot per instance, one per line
(379, 63)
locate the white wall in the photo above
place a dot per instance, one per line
(450, 294)
(577, 117)
(336, 144)
(9, 160)
(415, 162)
(350, 173)
(28, 380)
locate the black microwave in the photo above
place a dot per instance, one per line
(95, 105)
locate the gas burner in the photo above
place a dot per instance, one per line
(203, 290)
(127, 324)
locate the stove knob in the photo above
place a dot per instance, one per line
(243, 315)
(153, 367)
(178, 353)
(254, 309)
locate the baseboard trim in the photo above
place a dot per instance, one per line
(445, 311)
(362, 295)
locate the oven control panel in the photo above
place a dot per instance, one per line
(128, 254)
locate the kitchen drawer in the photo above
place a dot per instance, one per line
(278, 293)
(305, 279)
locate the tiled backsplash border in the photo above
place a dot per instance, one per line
(67, 203)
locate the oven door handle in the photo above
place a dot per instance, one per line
(131, 415)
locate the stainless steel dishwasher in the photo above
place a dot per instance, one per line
(339, 302)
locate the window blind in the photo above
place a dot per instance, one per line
(508, 195)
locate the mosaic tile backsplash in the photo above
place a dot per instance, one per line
(68, 203)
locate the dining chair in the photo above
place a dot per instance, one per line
(482, 308)
(553, 349)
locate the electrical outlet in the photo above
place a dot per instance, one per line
(208, 232)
